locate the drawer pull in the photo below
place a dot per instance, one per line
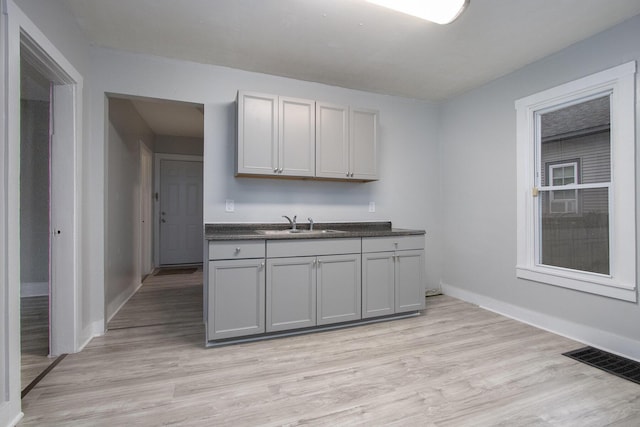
(237, 250)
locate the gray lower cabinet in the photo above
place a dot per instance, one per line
(257, 287)
(409, 280)
(235, 294)
(309, 291)
(378, 284)
(236, 298)
(339, 288)
(291, 293)
(393, 275)
(313, 282)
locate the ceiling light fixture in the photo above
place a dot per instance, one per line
(438, 11)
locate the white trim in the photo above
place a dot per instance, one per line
(588, 335)
(158, 157)
(120, 301)
(619, 84)
(14, 24)
(146, 221)
(34, 289)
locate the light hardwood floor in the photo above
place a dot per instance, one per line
(455, 365)
(34, 338)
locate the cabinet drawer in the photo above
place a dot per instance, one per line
(384, 244)
(312, 247)
(236, 249)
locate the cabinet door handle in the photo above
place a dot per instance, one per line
(261, 265)
(280, 170)
(275, 170)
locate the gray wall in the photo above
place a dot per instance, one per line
(122, 269)
(178, 145)
(34, 196)
(478, 145)
(407, 193)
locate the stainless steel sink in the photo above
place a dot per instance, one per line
(303, 232)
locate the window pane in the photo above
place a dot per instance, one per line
(581, 134)
(574, 229)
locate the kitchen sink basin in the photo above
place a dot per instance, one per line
(303, 232)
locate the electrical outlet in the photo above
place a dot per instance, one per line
(372, 206)
(229, 206)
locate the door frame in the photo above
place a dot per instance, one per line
(146, 226)
(18, 33)
(158, 157)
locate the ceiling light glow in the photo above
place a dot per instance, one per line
(438, 11)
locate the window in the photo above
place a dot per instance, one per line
(576, 185)
(563, 201)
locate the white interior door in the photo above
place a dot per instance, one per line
(146, 210)
(63, 218)
(181, 227)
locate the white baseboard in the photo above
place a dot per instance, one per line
(17, 419)
(115, 306)
(588, 335)
(34, 289)
(95, 329)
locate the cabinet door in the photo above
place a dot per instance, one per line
(236, 298)
(339, 288)
(410, 280)
(297, 137)
(363, 144)
(332, 141)
(257, 145)
(378, 279)
(291, 293)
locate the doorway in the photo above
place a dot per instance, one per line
(180, 229)
(143, 134)
(48, 217)
(35, 158)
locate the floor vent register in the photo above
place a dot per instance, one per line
(614, 364)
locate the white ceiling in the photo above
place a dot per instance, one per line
(351, 43)
(171, 118)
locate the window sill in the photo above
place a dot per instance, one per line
(604, 286)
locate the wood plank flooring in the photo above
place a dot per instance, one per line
(34, 337)
(456, 365)
(162, 299)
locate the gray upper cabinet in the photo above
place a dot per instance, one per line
(296, 141)
(346, 142)
(290, 137)
(257, 147)
(363, 144)
(332, 141)
(276, 135)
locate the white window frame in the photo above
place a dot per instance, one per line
(619, 83)
(552, 198)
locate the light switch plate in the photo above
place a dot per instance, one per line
(372, 206)
(229, 206)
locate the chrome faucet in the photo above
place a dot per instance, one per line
(291, 222)
(310, 223)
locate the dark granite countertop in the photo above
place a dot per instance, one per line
(256, 231)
